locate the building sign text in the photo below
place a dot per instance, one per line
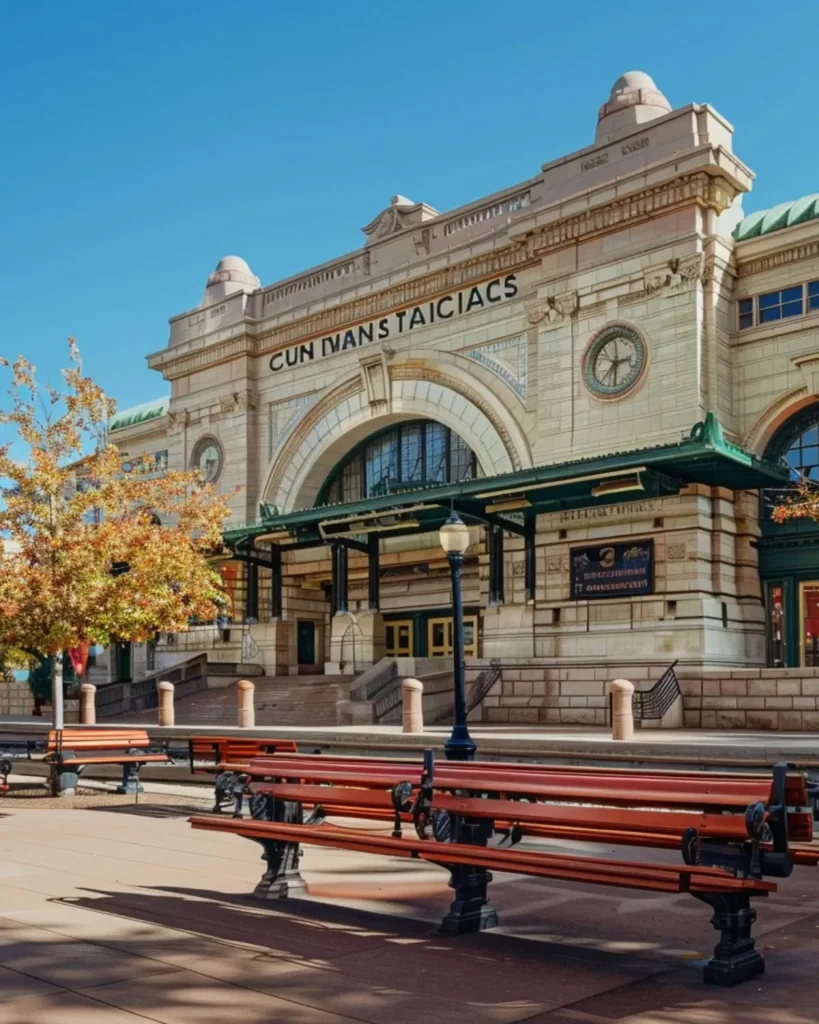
(613, 570)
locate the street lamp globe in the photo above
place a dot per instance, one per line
(454, 535)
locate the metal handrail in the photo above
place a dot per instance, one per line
(483, 684)
(654, 703)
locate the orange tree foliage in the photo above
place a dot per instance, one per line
(57, 589)
(804, 506)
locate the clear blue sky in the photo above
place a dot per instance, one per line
(143, 141)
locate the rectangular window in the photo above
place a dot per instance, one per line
(462, 461)
(813, 295)
(412, 468)
(779, 305)
(746, 313)
(161, 460)
(382, 464)
(435, 453)
(351, 481)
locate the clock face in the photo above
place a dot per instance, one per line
(615, 361)
(207, 458)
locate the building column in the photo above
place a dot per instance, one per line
(252, 602)
(495, 544)
(530, 526)
(374, 573)
(276, 582)
(339, 578)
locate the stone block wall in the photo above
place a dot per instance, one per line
(532, 693)
(537, 693)
(769, 698)
(15, 698)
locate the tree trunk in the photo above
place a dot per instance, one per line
(57, 689)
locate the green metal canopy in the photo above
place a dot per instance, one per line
(785, 215)
(705, 457)
(139, 413)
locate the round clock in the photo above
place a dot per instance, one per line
(207, 458)
(614, 361)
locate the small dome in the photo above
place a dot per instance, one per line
(632, 80)
(232, 275)
(634, 99)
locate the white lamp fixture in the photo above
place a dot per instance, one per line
(454, 535)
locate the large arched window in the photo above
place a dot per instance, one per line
(797, 442)
(398, 459)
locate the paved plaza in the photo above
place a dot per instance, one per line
(122, 914)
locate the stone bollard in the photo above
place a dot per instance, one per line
(88, 704)
(622, 713)
(247, 711)
(412, 692)
(167, 714)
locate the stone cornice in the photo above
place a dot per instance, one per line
(700, 188)
(794, 254)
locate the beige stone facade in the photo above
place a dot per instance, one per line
(485, 319)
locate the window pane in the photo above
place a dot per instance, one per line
(792, 309)
(813, 301)
(771, 299)
(411, 452)
(746, 305)
(351, 482)
(381, 464)
(811, 436)
(460, 460)
(766, 315)
(436, 453)
(747, 319)
(791, 294)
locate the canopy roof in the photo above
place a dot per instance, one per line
(139, 413)
(705, 457)
(785, 215)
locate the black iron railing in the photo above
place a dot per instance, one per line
(482, 685)
(653, 703)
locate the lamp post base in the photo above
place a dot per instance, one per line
(460, 748)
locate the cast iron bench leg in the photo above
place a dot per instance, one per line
(471, 910)
(736, 957)
(130, 778)
(64, 780)
(282, 878)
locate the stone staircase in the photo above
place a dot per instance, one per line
(280, 700)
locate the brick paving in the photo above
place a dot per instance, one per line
(118, 915)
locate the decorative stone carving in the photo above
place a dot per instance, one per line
(177, 421)
(423, 241)
(675, 275)
(809, 365)
(400, 214)
(557, 308)
(376, 380)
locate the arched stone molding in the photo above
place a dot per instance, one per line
(766, 425)
(342, 417)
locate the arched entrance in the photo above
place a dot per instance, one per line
(789, 553)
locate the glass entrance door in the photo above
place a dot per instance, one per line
(439, 637)
(399, 638)
(809, 623)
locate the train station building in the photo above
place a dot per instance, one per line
(605, 368)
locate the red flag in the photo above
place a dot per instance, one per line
(79, 658)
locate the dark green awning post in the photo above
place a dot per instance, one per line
(495, 543)
(373, 572)
(276, 582)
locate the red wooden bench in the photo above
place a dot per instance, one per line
(207, 753)
(732, 830)
(70, 751)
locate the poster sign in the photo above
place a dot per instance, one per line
(613, 570)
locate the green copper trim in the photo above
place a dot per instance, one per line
(139, 413)
(785, 215)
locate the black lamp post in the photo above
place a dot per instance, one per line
(455, 540)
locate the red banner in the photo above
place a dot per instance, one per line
(79, 658)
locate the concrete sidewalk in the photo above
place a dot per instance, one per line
(122, 915)
(684, 747)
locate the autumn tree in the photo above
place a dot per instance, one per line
(100, 555)
(804, 504)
